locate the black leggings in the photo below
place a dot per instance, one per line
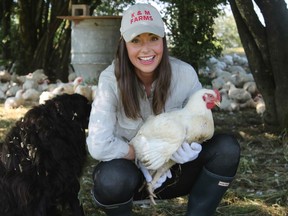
(118, 180)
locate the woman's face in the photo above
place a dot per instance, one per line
(145, 52)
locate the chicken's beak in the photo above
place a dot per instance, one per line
(217, 103)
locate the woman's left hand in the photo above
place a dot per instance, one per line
(186, 152)
(148, 176)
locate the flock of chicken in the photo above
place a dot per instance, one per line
(236, 84)
(34, 88)
(229, 75)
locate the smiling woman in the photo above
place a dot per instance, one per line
(145, 53)
(142, 81)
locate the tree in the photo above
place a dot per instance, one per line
(191, 29)
(41, 40)
(38, 31)
(226, 31)
(38, 38)
(5, 16)
(266, 47)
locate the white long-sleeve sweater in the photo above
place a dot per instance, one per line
(110, 130)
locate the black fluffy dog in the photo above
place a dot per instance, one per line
(42, 158)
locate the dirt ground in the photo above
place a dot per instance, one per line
(260, 187)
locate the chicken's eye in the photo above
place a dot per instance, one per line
(210, 96)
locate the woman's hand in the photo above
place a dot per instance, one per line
(149, 178)
(187, 152)
(131, 153)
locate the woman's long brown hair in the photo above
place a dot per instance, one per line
(128, 82)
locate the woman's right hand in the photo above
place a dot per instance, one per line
(131, 153)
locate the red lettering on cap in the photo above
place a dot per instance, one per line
(146, 12)
(149, 18)
(139, 16)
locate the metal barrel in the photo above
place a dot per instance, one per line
(93, 45)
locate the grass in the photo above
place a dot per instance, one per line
(260, 187)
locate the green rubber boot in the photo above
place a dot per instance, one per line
(207, 193)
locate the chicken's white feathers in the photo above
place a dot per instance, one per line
(154, 146)
(161, 135)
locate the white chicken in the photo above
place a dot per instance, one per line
(14, 102)
(2, 95)
(30, 82)
(12, 90)
(251, 87)
(31, 95)
(84, 90)
(68, 88)
(94, 90)
(162, 135)
(44, 96)
(4, 86)
(39, 76)
(5, 76)
(72, 76)
(238, 94)
(226, 103)
(260, 104)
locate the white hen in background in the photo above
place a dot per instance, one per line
(14, 102)
(162, 135)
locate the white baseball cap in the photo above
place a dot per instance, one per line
(141, 18)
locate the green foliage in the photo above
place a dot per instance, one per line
(6, 31)
(107, 7)
(226, 31)
(190, 25)
(37, 40)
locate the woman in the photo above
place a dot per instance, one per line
(142, 81)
